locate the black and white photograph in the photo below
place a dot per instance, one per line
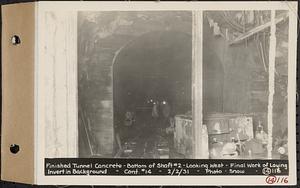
(239, 81)
(134, 79)
(141, 91)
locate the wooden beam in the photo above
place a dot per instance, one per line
(272, 52)
(197, 85)
(257, 29)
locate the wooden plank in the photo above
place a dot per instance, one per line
(246, 35)
(57, 84)
(272, 53)
(197, 83)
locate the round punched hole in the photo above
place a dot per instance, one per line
(14, 148)
(15, 40)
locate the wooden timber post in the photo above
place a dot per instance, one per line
(197, 84)
(272, 52)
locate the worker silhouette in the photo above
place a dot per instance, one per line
(166, 111)
(155, 110)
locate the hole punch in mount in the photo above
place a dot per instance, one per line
(14, 148)
(15, 40)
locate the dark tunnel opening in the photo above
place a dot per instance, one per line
(154, 68)
(157, 67)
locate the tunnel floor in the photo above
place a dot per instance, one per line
(147, 138)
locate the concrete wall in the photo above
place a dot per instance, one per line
(238, 65)
(100, 36)
(245, 82)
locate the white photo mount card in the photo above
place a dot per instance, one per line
(149, 93)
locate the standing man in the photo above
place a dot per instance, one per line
(166, 111)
